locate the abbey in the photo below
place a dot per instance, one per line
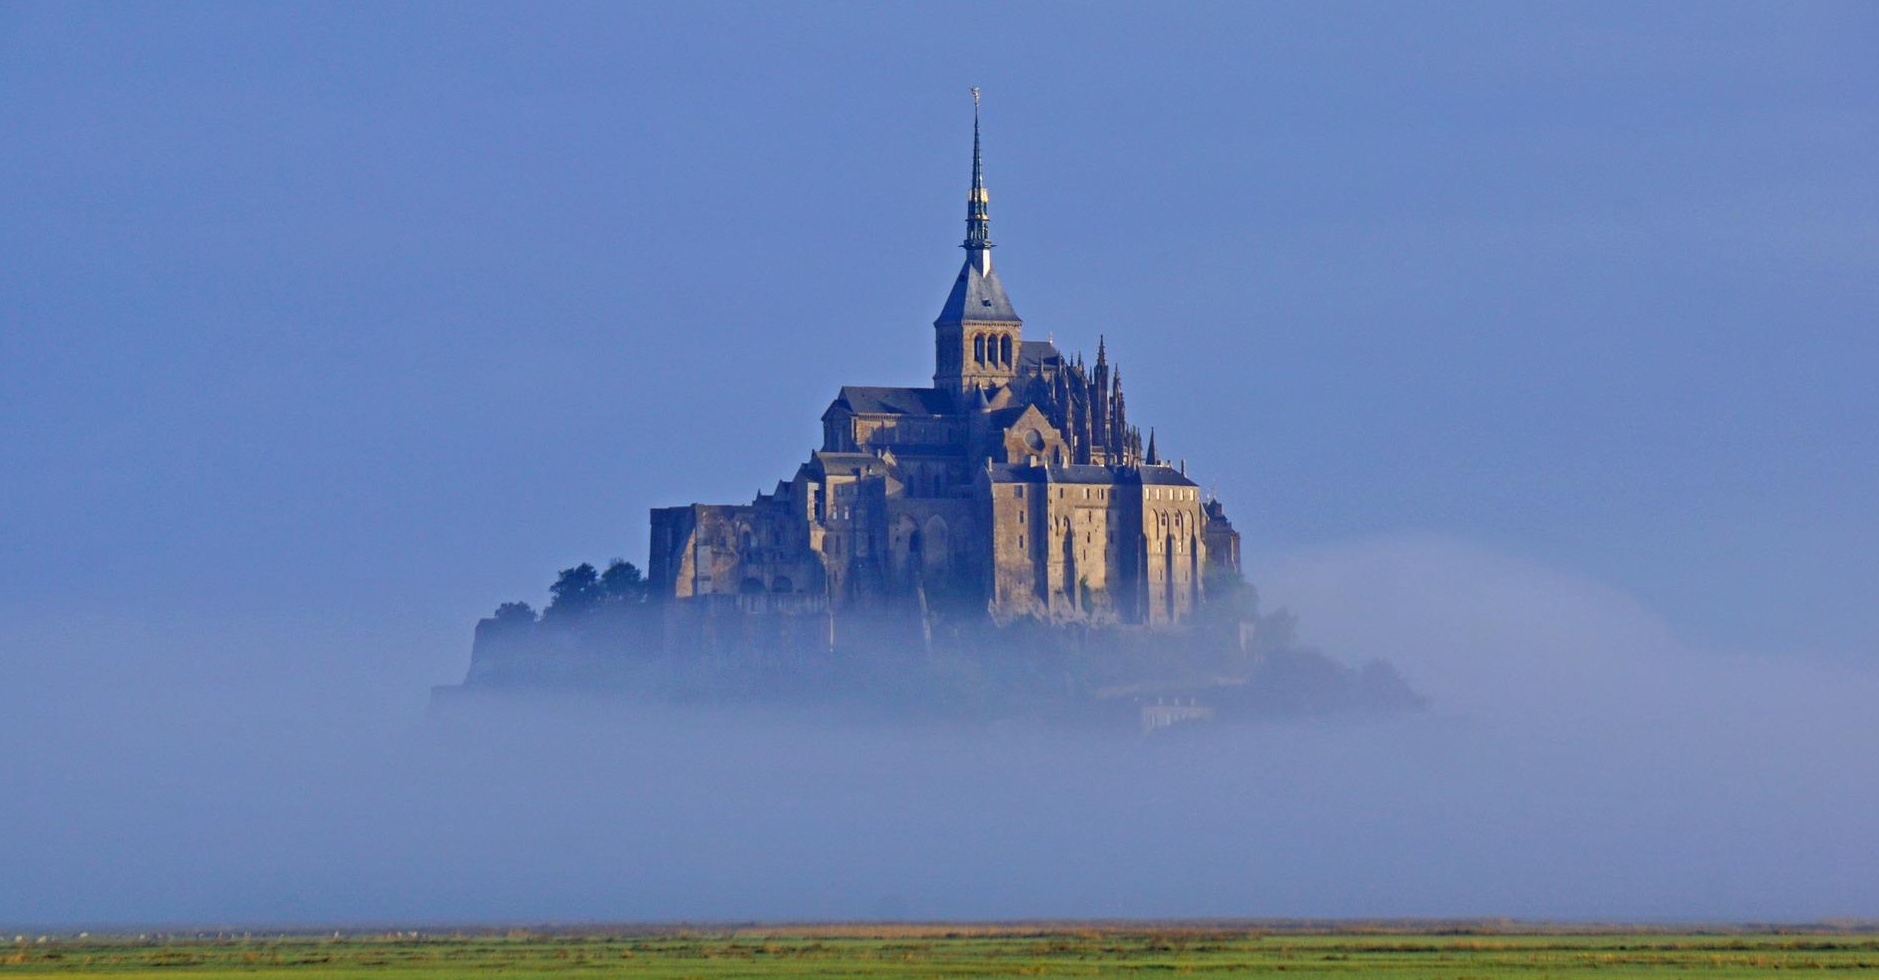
(1016, 481)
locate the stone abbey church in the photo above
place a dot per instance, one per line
(1016, 480)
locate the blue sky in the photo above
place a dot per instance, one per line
(377, 316)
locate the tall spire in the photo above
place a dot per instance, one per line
(978, 243)
(977, 339)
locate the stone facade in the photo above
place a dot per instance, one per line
(1016, 481)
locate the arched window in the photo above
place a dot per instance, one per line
(978, 348)
(937, 550)
(1004, 348)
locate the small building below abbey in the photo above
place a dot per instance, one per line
(1016, 480)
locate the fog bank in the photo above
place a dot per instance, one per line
(1578, 763)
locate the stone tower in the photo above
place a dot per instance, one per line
(977, 336)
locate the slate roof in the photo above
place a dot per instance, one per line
(1165, 476)
(1160, 476)
(922, 402)
(1003, 418)
(821, 464)
(1032, 353)
(977, 296)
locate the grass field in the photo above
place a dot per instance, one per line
(954, 951)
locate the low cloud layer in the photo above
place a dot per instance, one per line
(1491, 636)
(1578, 762)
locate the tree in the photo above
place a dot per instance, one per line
(515, 614)
(510, 617)
(576, 590)
(622, 582)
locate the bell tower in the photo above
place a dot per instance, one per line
(977, 336)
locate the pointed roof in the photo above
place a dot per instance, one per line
(977, 295)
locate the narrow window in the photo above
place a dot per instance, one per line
(1004, 344)
(978, 348)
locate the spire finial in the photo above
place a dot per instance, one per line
(978, 242)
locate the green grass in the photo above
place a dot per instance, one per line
(957, 951)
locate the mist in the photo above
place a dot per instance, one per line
(1577, 763)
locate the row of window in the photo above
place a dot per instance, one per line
(993, 350)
